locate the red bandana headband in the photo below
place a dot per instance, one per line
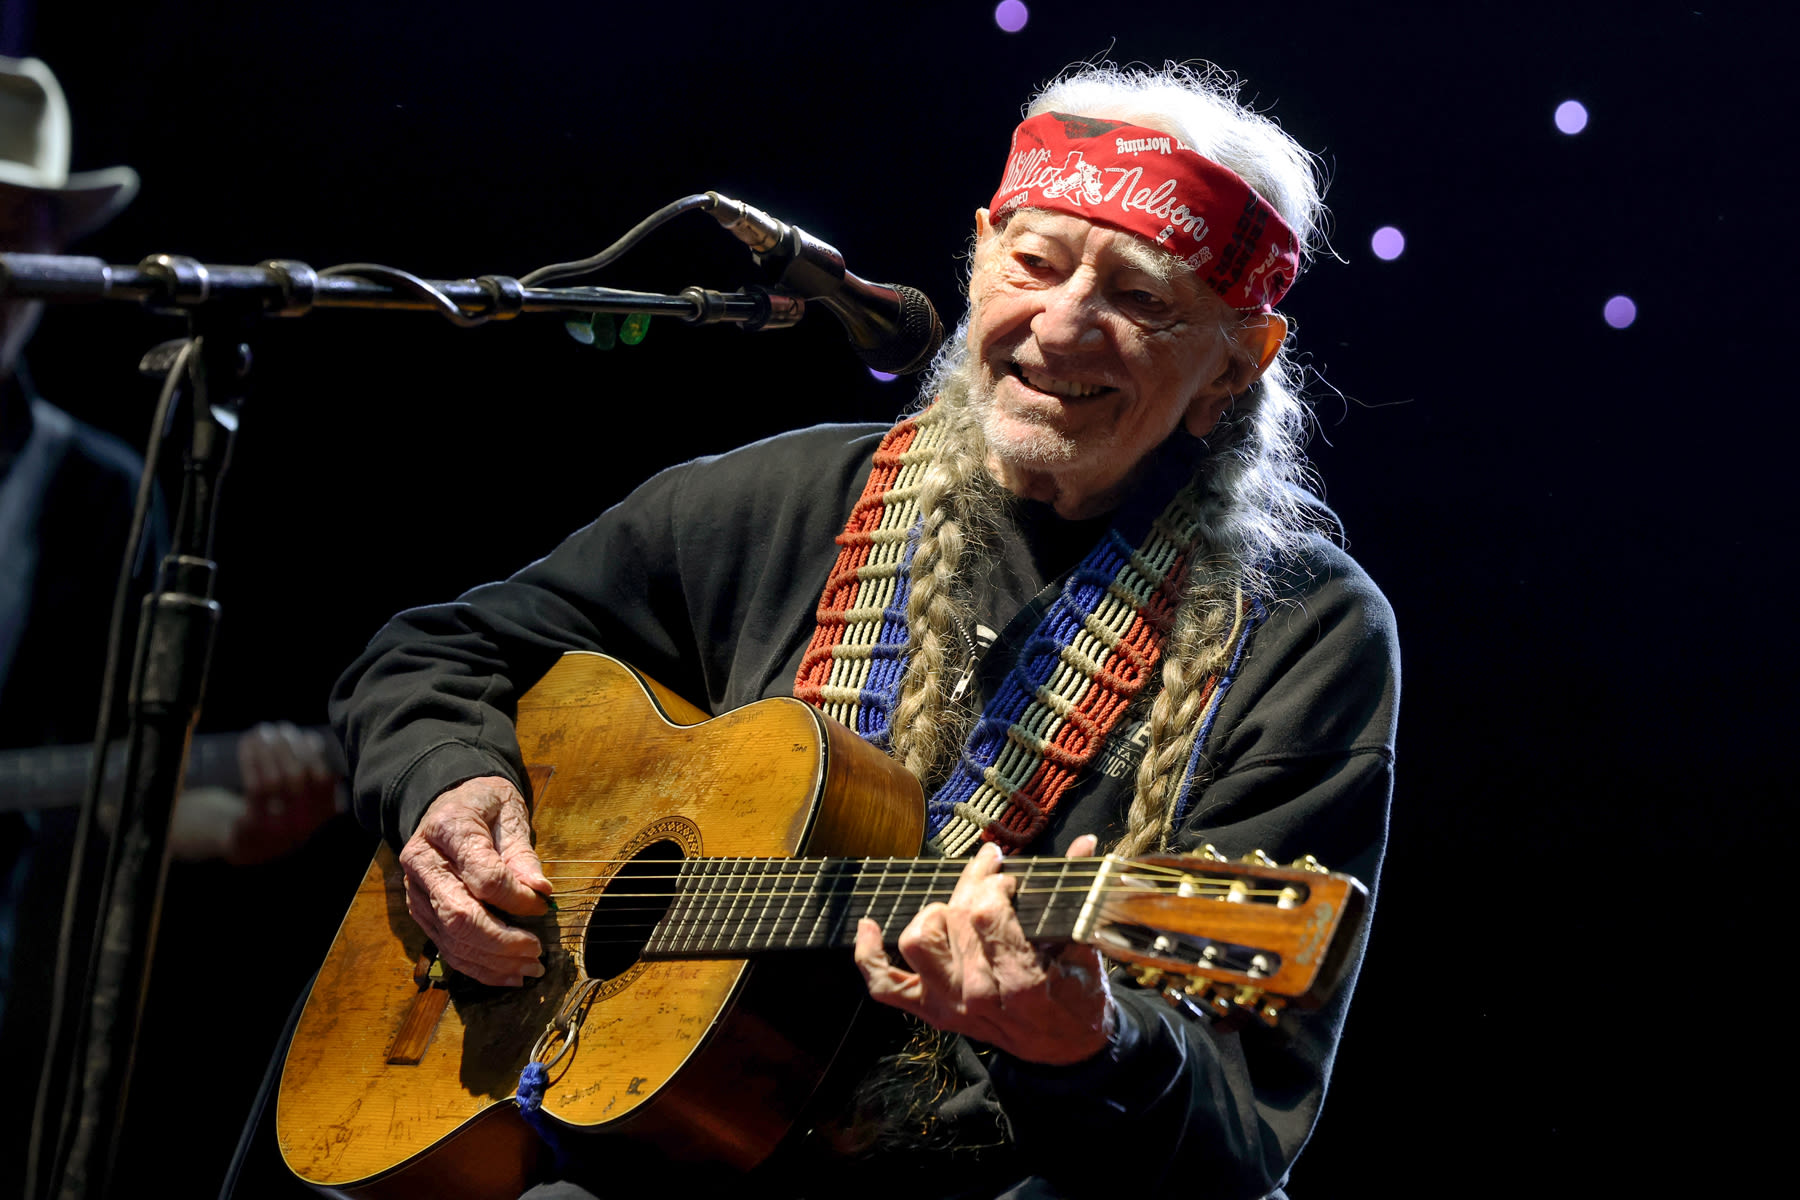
(1150, 183)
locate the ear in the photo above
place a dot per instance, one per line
(984, 229)
(1256, 343)
(984, 240)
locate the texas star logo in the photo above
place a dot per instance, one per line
(1079, 181)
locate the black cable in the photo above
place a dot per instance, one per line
(637, 234)
(86, 824)
(446, 307)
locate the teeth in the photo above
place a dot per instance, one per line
(1061, 387)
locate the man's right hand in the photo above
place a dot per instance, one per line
(473, 849)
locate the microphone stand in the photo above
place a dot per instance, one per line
(178, 621)
(286, 288)
(173, 652)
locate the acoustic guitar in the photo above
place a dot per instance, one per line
(693, 860)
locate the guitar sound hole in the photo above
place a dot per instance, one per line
(627, 911)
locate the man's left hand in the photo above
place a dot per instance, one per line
(974, 973)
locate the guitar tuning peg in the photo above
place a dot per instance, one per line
(1257, 858)
(1210, 853)
(1145, 976)
(1307, 862)
(1270, 1012)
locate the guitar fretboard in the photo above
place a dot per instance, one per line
(731, 907)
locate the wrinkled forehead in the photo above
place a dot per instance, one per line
(1115, 246)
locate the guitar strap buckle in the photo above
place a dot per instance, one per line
(564, 1029)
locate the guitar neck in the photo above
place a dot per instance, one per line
(737, 907)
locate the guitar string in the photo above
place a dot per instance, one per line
(807, 868)
(942, 864)
(761, 926)
(810, 867)
(699, 892)
(570, 921)
(591, 901)
(712, 921)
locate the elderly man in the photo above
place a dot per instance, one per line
(1105, 473)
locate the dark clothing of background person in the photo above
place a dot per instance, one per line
(66, 498)
(707, 579)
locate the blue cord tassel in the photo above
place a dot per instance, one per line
(530, 1095)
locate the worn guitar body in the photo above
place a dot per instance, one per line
(710, 1059)
(680, 848)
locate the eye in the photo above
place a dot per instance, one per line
(1146, 300)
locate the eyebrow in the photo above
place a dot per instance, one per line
(1160, 264)
(1137, 254)
(1153, 261)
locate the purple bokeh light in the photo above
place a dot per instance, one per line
(882, 376)
(1011, 15)
(1388, 243)
(1571, 116)
(1620, 311)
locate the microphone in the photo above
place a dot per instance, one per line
(893, 327)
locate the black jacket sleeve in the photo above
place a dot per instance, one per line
(1300, 762)
(705, 579)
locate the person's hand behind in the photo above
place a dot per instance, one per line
(289, 787)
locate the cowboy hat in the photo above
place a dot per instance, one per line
(34, 153)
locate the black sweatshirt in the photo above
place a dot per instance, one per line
(707, 579)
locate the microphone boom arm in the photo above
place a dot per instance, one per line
(287, 288)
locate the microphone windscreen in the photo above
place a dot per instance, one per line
(920, 334)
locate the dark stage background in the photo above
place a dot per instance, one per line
(1580, 527)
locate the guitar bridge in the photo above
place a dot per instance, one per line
(421, 1019)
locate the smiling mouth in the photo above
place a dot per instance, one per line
(1068, 389)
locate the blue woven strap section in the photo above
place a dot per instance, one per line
(1186, 799)
(1060, 625)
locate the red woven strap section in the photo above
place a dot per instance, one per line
(1121, 677)
(841, 585)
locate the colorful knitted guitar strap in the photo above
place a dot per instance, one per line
(1092, 652)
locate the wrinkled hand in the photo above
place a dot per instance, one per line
(472, 849)
(974, 973)
(289, 790)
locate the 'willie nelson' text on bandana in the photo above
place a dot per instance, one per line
(1149, 183)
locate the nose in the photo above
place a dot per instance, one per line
(1070, 316)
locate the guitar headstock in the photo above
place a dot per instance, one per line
(1222, 935)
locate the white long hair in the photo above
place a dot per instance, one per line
(1253, 472)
